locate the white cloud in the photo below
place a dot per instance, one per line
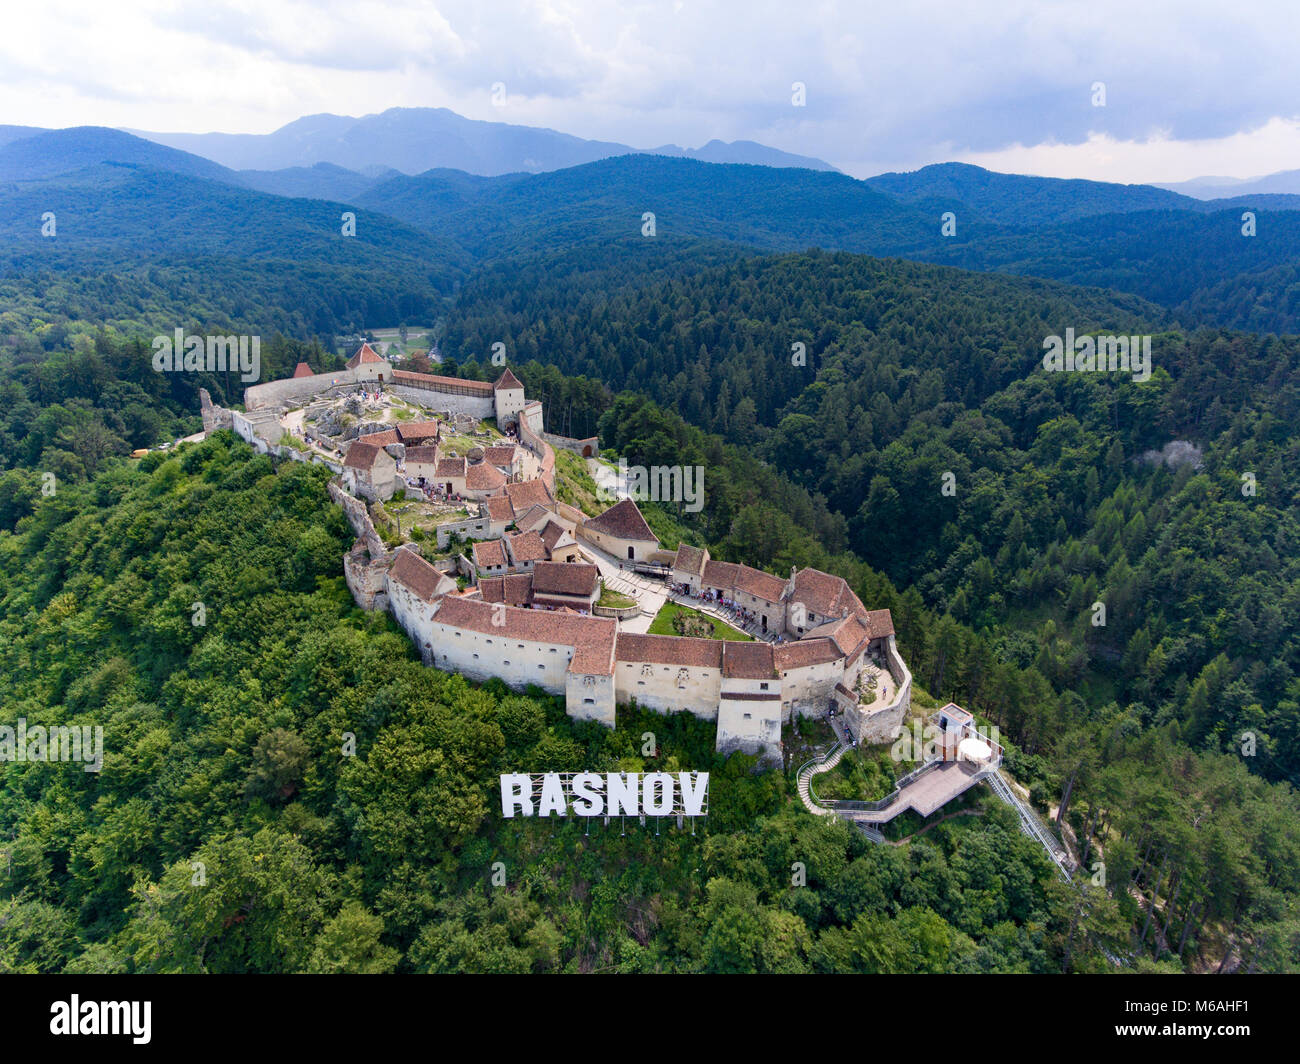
(1273, 146)
(1192, 88)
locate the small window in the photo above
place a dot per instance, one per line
(762, 687)
(588, 701)
(747, 716)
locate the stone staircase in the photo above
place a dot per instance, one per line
(816, 766)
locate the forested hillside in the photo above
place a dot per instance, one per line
(224, 762)
(832, 398)
(915, 372)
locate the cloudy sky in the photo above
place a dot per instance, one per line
(1191, 88)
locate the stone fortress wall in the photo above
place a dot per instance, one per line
(748, 689)
(440, 402)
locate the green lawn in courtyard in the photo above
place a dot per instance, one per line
(665, 623)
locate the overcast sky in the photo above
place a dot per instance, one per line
(1191, 88)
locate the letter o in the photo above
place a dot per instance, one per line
(662, 804)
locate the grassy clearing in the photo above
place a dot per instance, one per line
(614, 599)
(667, 622)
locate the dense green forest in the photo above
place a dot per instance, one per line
(228, 831)
(886, 420)
(1053, 507)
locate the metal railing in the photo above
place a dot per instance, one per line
(1031, 825)
(852, 805)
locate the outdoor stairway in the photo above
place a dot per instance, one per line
(817, 765)
(1031, 825)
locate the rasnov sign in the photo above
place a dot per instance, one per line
(604, 794)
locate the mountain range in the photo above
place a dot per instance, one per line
(414, 139)
(1284, 182)
(122, 200)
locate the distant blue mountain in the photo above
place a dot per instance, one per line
(49, 153)
(415, 139)
(1285, 182)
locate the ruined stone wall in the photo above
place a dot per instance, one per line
(471, 528)
(480, 408)
(296, 389)
(591, 445)
(544, 451)
(367, 577)
(879, 723)
(358, 516)
(214, 417)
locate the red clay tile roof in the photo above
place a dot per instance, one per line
(526, 547)
(424, 455)
(689, 559)
(623, 520)
(514, 589)
(499, 508)
(747, 661)
(823, 594)
(413, 572)
(449, 467)
(365, 353)
(452, 385)
(849, 634)
(669, 650)
(413, 431)
(507, 380)
(302, 370)
(526, 494)
(363, 455)
(721, 575)
(489, 553)
(484, 477)
(380, 439)
(552, 532)
(565, 578)
(760, 584)
(880, 623)
(804, 652)
(595, 658)
(750, 696)
(533, 518)
(538, 626)
(500, 455)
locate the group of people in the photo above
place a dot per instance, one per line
(848, 735)
(735, 612)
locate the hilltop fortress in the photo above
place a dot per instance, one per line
(523, 604)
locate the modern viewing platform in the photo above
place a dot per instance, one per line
(964, 758)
